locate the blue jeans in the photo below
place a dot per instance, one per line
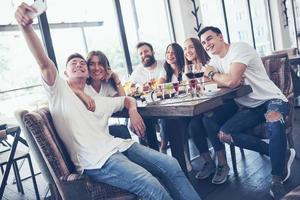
(251, 117)
(208, 125)
(147, 173)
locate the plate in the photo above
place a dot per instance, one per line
(212, 92)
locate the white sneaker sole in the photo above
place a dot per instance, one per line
(290, 161)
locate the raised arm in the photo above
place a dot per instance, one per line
(47, 67)
(232, 79)
(137, 123)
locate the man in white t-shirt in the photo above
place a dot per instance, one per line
(150, 68)
(94, 152)
(230, 65)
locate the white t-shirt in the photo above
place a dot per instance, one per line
(84, 133)
(255, 75)
(142, 74)
(174, 79)
(106, 90)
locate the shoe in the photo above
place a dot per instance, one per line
(289, 158)
(221, 174)
(277, 190)
(207, 169)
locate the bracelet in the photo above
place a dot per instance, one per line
(211, 75)
(118, 84)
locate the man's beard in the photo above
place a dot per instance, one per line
(150, 61)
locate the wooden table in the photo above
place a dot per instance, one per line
(183, 110)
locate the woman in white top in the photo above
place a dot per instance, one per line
(102, 80)
(172, 72)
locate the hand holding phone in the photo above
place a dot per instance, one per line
(40, 6)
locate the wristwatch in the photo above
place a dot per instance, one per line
(211, 75)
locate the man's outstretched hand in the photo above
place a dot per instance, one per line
(22, 15)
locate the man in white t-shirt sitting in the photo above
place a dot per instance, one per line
(150, 68)
(94, 152)
(230, 65)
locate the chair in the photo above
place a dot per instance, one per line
(279, 71)
(55, 163)
(290, 52)
(10, 156)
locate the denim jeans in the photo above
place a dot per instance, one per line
(145, 172)
(208, 125)
(249, 118)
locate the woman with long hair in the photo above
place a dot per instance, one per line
(174, 64)
(173, 72)
(102, 79)
(195, 54)
(104, 82)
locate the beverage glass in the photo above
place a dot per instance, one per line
(193, 86)
(189, 71)
(199, 73)
(176, 88)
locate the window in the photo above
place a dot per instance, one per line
(89, 25)
(18, 90)
(212, 14)
(146, 21)
(261, 26)
(240, 26)
(290, 4)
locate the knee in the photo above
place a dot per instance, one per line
(273, 116)
(172, 164)
(207, 116)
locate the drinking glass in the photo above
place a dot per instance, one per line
(193, 86)
(176, 88)
(199, 73)
(189, 71)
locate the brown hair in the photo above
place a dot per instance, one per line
(74, 55)
(200, 52)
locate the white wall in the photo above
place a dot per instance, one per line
(184, 20)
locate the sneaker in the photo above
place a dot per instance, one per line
(277, 190)
(207, 169)
(221, 174)
(289, 158)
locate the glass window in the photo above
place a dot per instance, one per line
(290, 20)
(261, 26)
(238, 21)
(212, 15)
(85, 35)
(141, 24)
(18, 90)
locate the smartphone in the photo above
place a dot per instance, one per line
(40, 6)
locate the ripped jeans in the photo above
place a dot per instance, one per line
(249, 118)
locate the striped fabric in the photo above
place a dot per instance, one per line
(71, 184)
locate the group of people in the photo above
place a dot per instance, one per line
(82, 104)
